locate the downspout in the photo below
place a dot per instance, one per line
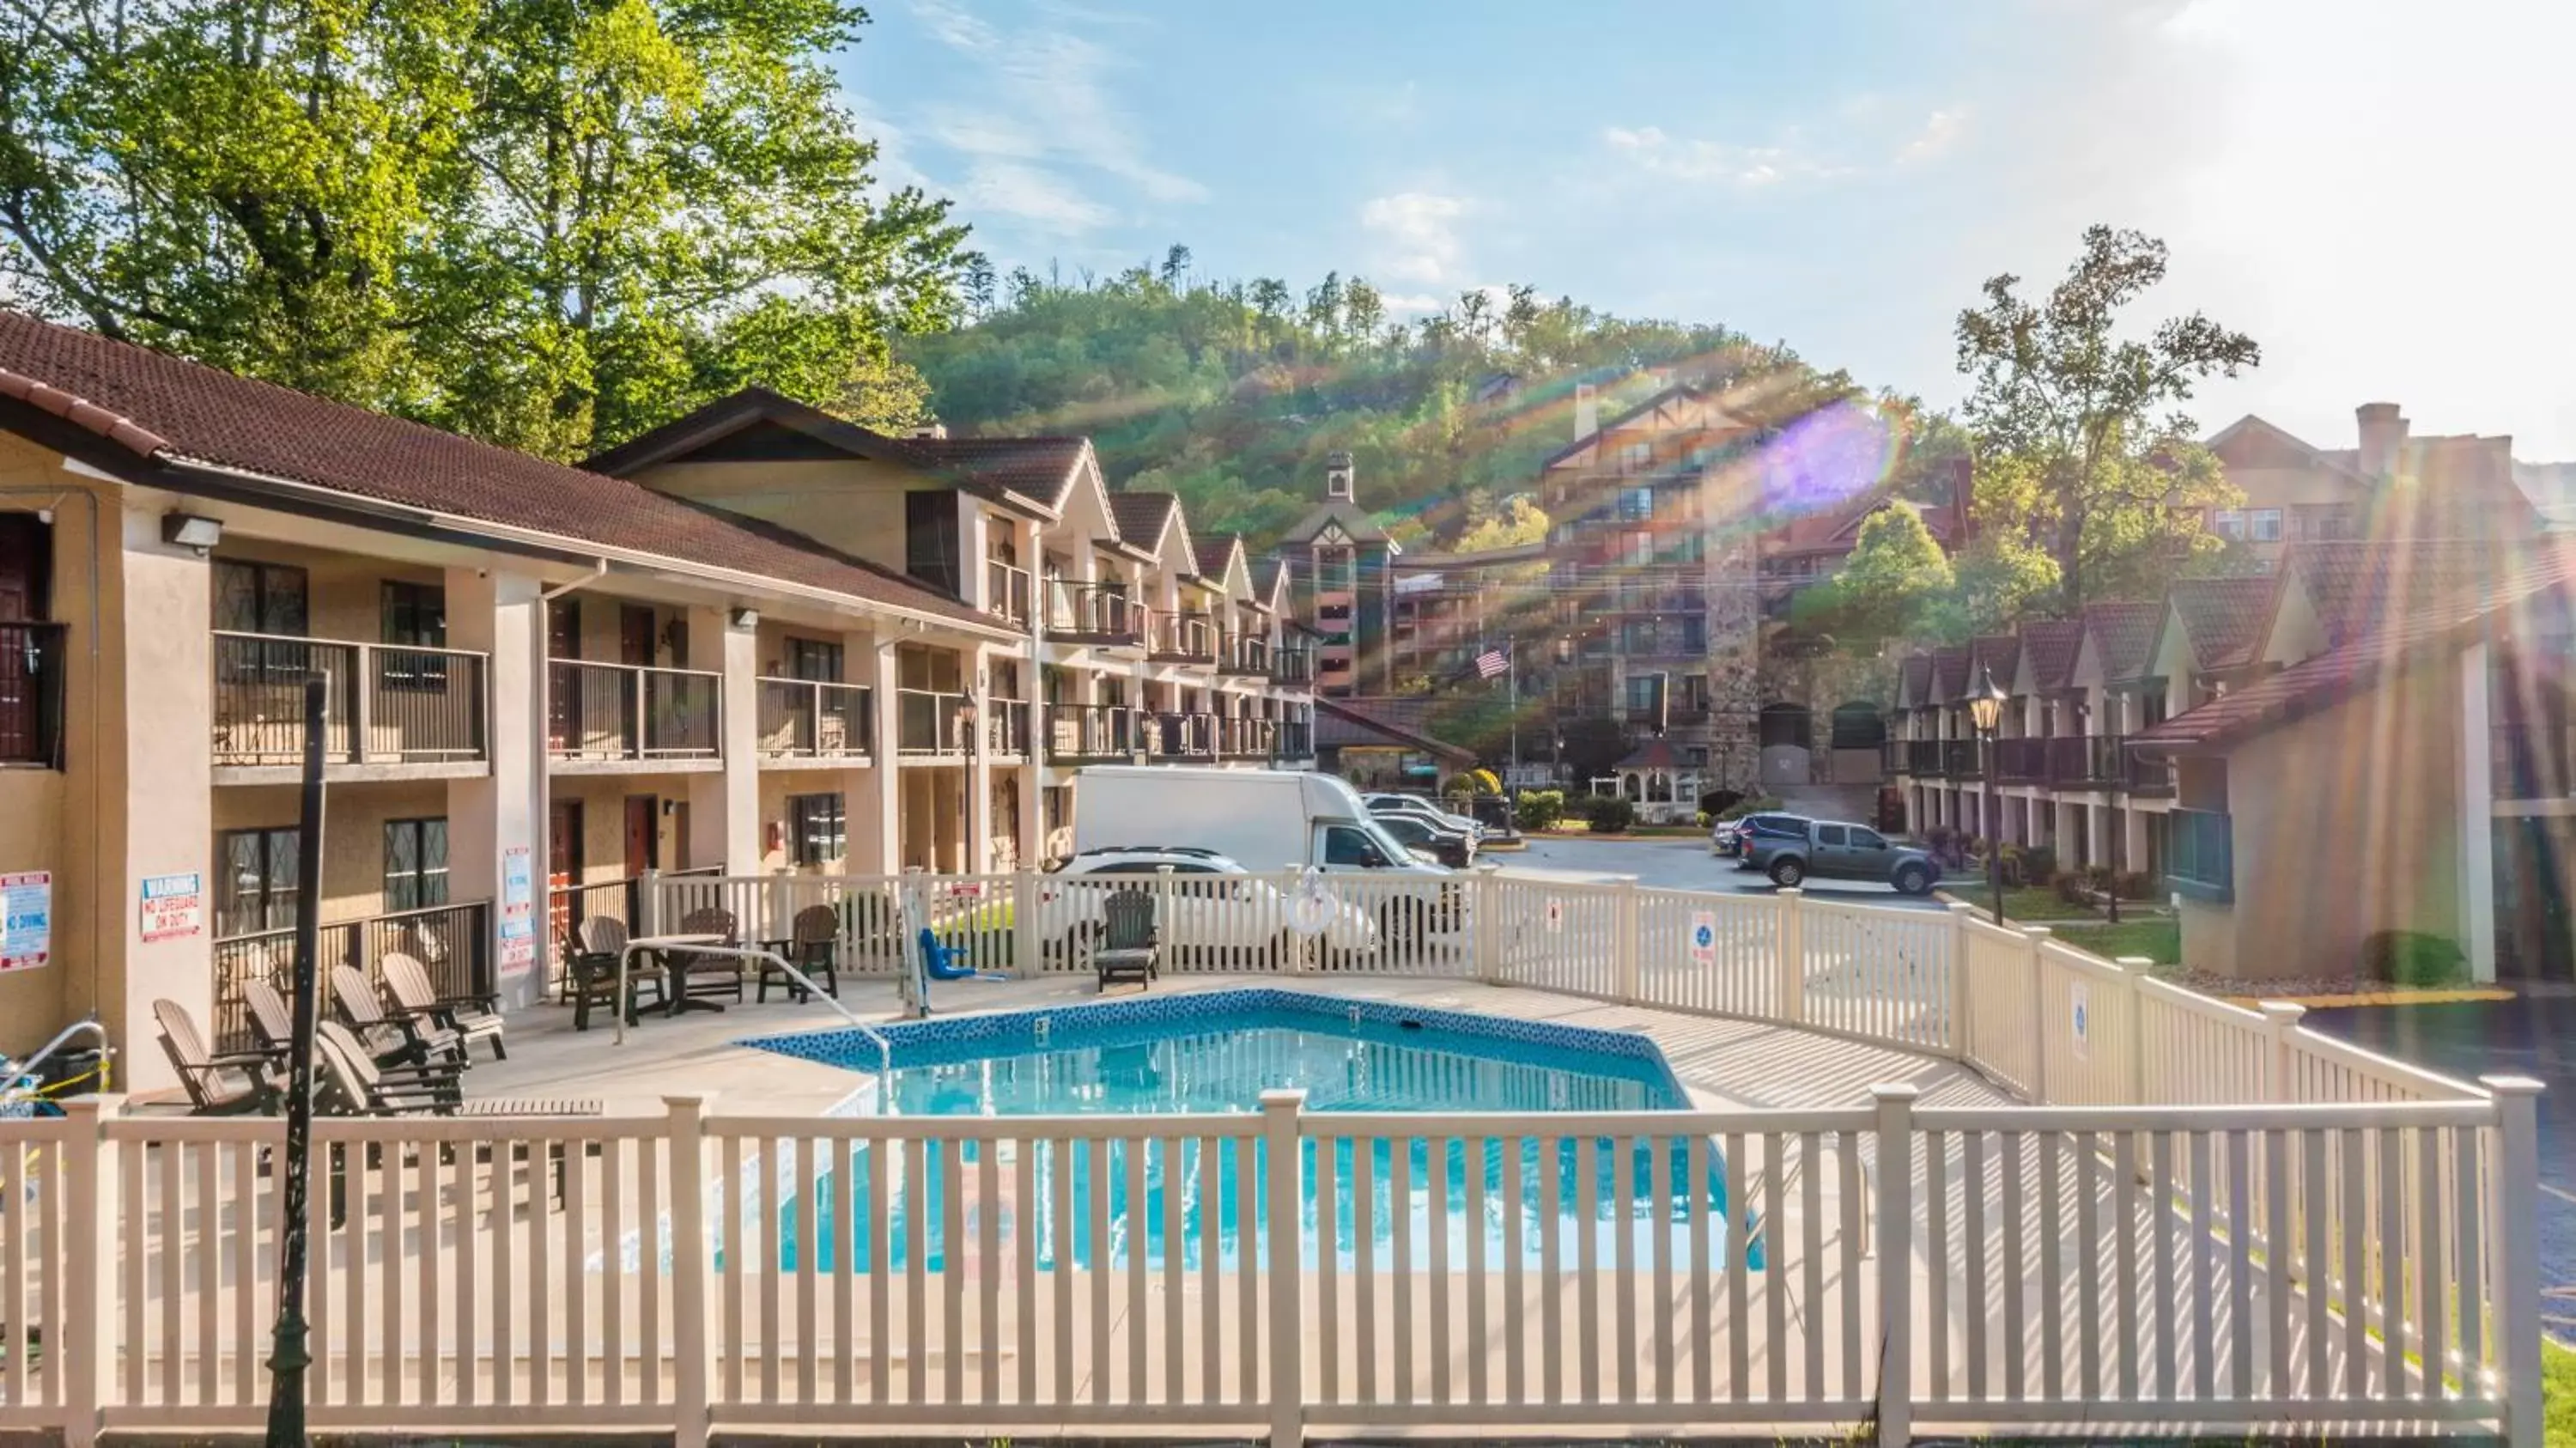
(102, 916)
(538, 742)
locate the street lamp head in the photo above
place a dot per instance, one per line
(1986, 702)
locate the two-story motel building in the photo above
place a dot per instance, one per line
(757, 639)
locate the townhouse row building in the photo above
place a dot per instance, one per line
(756, 639)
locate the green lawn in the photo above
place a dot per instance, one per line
(2557, 1395)
(2157, 938)
(2036, 904)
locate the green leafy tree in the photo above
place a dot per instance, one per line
(1896, 585)
(2095, 414)
(1520, 522)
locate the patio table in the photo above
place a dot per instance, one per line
(675, 970)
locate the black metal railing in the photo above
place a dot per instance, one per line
(1295, 740)
(1959, 759)
(1079, 732)
(1184, 638)
(1006, 590)
(1244, 738)
(385, 704)
(453, 941)
(1094, 613)
(2021, 761)
(1182, 736)
(567, 906)
(1247, 654)
(2085, 761)
(627, 711)
(32, 660)
(2200, 854)
(2534, 761)
(1292, 664)
(1006, 726)
(807, 719)
(930, 722)
(2152, 777)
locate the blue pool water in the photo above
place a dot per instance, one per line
(1101, 1203)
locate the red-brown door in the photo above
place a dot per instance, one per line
(563, 871)
(634, 635)
(26, 546)
(643, 834)
(563, 686)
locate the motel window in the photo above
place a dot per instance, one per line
(2228, 523)
(817, 829)
(415, 864)
(260, 598)
(1636, 455)
(814, 660)
(415, 615)
(256, 891)
(2263, 525)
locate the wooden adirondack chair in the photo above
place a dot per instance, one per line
(472, 1018)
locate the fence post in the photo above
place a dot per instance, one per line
(1624, 953)
(1279, 1134)
(2033, 937)
(2280, 1018)
(362, 703)
(2133, 971)
(2515, 1260)
(1895, 1247)
(1025, 946)
(1489, 951)
(1963, 1042)
(689, 1248)
(648, 902)
(89, 1265)
(1793, 956)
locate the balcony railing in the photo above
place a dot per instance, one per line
(1094, 613)
(809, 719)
(1006, 590)
(1183, 638)
(31, 694)
(2021, 761)
(1182, 736)
(632, 712)
(567, 906)
(1244, 738)
(2532, 761)
(453, 941)
(1959, 759)
(2200, 854)
(1296, 740)
(1006, 726)
(1077, 733)
(1292, 665)
(2152, 777)
(2085, 761)
(1244, 654)
(929, 722)
(383, 704)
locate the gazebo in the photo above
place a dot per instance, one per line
(1654, 778)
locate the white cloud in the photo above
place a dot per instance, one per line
(1048, 130)
(1941, 131)
(1651, 150)
(1411, 302)
(1417, 233)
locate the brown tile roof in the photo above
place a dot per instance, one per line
(1655, 753)
(2223, 618)
(167, 410)
(2050, 645)
(2123, 631)
(1994, 654)
(2357, 585)
(1950, 674)
(1914, 678)
(2318, 683)
(1341, 722)
(1212, 554)
(1141, 517)
(1038, 468)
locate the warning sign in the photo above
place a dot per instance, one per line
(518, 913)
(26, 920)
(1703, 937)
(173, 906)
(2080, 1018)
(1555, 916)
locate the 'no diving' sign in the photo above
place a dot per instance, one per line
(1703, 938)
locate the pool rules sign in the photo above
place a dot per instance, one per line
(26, 920)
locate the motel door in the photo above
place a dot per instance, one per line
(643, 834)
(563, 871)
(24, 544)
(563, 698)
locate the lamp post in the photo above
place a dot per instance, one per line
(1986, 710)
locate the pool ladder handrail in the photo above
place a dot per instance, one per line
(885, 1048)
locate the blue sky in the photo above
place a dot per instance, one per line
(2375, 191)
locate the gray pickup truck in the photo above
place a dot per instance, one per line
(1837, 850)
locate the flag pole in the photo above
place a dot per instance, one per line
(1512, 682)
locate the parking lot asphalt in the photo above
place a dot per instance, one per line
(1677, 864)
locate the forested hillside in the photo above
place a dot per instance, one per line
(1230, 393)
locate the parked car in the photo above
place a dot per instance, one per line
(1454, 848)
(1840, 850)
(1753, 826)
(1385, 805)
(1207, 913)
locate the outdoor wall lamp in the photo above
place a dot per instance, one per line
(192, 530)
(746, 618)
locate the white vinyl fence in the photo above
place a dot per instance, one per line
(2208, 1219)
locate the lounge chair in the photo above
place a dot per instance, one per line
(1130, 947)
(472, 1018)
(272, 1021)
(813, 945)
(353, 1084)
(590, 972)
(231, 1083)
(391, 1036)
(694, 975)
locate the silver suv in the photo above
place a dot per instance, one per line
(1839, 850)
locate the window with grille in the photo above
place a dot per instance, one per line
(256, 890)
(261, 598)
(415, 619)
(814, 661)
(415, 864)
(817, 829)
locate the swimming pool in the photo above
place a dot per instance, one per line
(1099, 1203)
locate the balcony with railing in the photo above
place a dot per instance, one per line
(1295, 741)
(1183, 638)
(1094, 613)
(930, 723)
(1090, 733)
(1244, 655)
(806, 721)
(1181, 736)
(2150, 777)
(385, 706)
(631, 716)
(1292, 664)
(1006, 726)
(2534, 761)
(1244, 738)
(31, 694)
(453, 941)
(2021, 761)
(1006, 590)
(1959, 759)
(2085, 761)
(2200, 855)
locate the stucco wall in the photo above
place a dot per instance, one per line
(852, 505)
(2345, 824)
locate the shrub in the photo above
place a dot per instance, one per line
(2413, 958)
(1609, 813)
(1754, 805)
(2136, 885)
(2074, 889)
(1540, 809)
(1704, 819)
(2012, 867)
(2038, 864)
(1469, 783)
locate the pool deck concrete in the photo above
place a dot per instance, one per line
(1723, 1063)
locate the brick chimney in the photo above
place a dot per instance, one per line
(1587, 411)
(2383, 438)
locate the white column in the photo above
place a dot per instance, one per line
(166, 810)
(2133, 843)
(724, 805)
(2066, 833)
(977, 814)
(497, 613)
(867, 795)
(2477, 815)
(2097, 820)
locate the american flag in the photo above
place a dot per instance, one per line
(1492, 662)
